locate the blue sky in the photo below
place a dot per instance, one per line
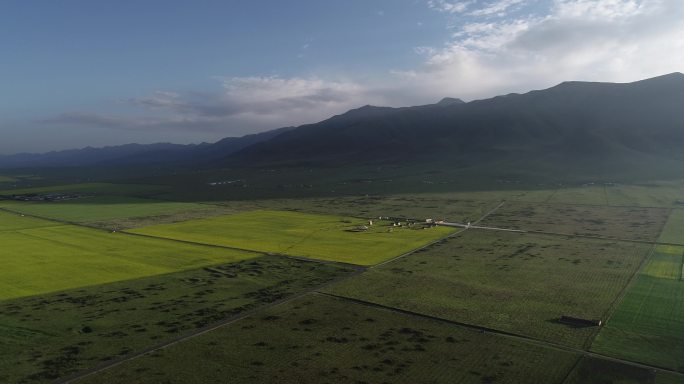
(79, 73)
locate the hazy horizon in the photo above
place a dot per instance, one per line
(84, 74)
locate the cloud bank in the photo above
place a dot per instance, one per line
(495, 47)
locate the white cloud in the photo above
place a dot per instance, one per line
(498, 8)
(449, 6)
(534, 47)
(244, 105)
(597, 40)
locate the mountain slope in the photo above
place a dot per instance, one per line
(138, 154)
(586, 122)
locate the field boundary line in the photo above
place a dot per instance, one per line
(264, 253)
(500, 333)
(60, 221)
(581, 236)
(197, 332)
(612, 308)
(574, 366)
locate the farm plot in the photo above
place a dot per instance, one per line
(108, 211)
(598, 371)
(506, 281)
(662, 194)
(642, 224)
(292, 233)
(38, 256)
(588, 195)
(674, 229)
(648, 325)
(95, 188)
(50, 336)
(318, 339)
(407, 206)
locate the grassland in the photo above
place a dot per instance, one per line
(598, 371)
(315, 236)
(648, 325)
(95, 188)
(506, 281)
(324, 340)
(40, 256)
(107, 211)
(674, 229)
(642, 224)
(409, 206)
(50, 336)
(6, 179)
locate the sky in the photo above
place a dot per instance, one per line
(77, 73)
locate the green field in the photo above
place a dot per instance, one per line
(409, 206)
(674, 229)
(615, 222)
(38, 256)
(324, 340)
(588, 195)
(6, 179)
(107, 209)
(648, 325)
(598, 371)
(49, 336)
(659, 194)
(511, 282)
(97, 188)
(315, 236)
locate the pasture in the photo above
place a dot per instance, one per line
(40, 256)
(53, 335)
(322, 237)
(94, 188)
(408, 206)
(318, 339)
(648, 325)
(512, 282)
(598, 371)
(109, 211)
(615, 222)
(674, 229)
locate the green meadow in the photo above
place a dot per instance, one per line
(648, 325)
(592, 370)
(318, 339)
(49, 336)
(96, 188)
(518, 283)
(39, 256)
(674, 229)
(299, 234)
(106, 208)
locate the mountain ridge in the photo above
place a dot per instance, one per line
(572, 122)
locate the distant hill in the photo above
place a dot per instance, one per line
(574, 128)
(132, 154)
(572, 124)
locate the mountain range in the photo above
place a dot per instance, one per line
(587, 124)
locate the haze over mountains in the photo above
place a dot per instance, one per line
(601, 124)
